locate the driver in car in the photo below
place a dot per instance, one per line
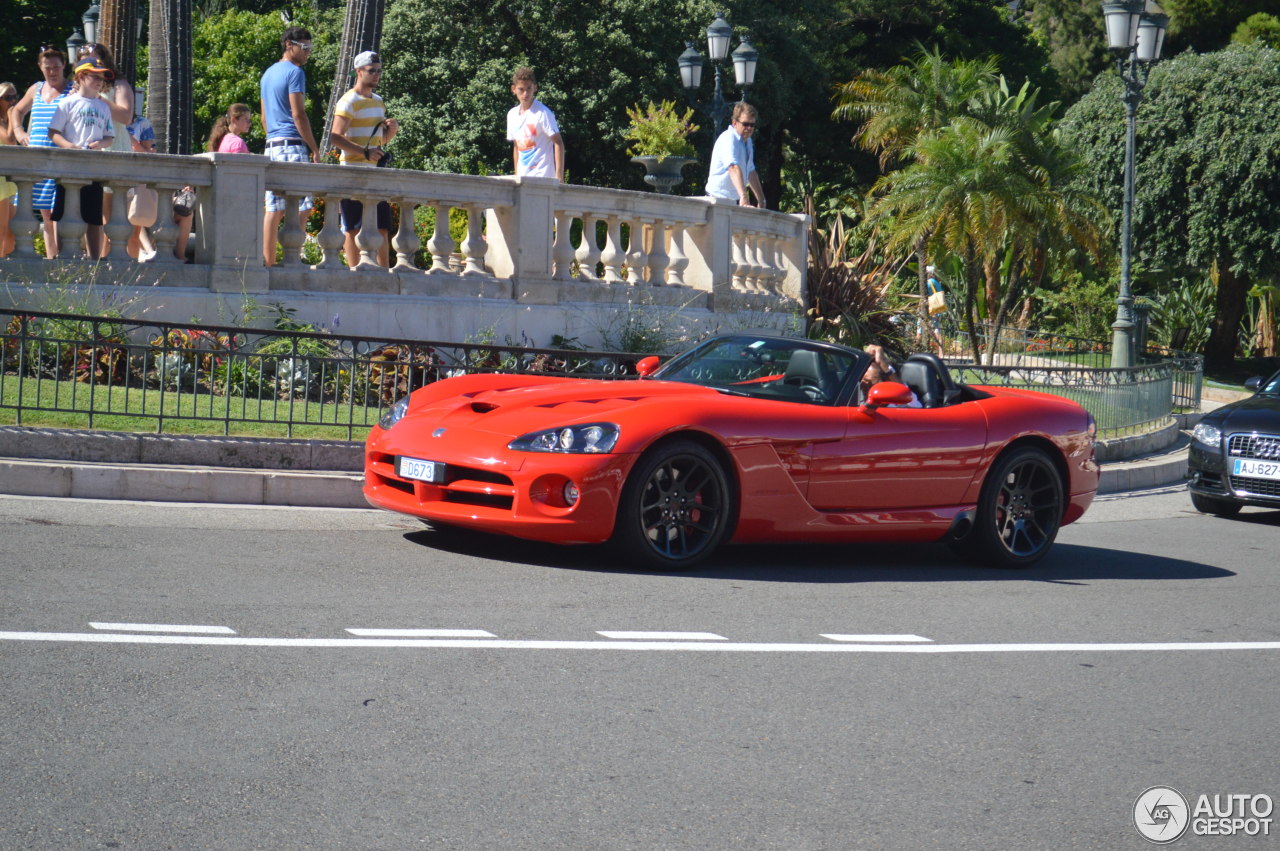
(881, 369)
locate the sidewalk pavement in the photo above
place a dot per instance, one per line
(329, 473)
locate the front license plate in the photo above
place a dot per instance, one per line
(417, 468)
(1255, 469)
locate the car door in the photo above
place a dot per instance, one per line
(899, 458)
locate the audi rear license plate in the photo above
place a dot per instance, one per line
(1254, 469)
(420, 469)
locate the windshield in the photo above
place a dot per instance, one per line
(1271, 385)
(766, 367)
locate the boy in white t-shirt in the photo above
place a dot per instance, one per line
(83, 120)
(537, 149)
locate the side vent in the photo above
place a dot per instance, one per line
(483, 407)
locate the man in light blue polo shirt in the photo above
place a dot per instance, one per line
(733, 163)
(284, 120)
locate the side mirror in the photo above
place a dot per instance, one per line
(648, 366)
(1254, 384)
(888, 393)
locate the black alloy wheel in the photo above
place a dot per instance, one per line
(1019, 511)
(676, 507)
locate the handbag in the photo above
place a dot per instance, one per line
(143, 206)
(937, 302)
(183, 201)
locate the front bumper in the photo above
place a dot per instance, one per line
(515, 493)
(1209, 472)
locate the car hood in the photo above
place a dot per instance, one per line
(1260, 412)
(519, 410)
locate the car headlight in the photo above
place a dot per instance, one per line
(1208, 434)
(589, 439)
(395, 413)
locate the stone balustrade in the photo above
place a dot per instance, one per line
(532, 248)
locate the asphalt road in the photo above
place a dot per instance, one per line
(197, 676)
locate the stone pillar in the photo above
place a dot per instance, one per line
(330, 236)
(588, 253)
(520, 235)
(406, 242)
(441, 244)
(229, 238)
(709, 248)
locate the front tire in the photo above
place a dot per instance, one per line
(1019, 511)
(1214, 506)
(676, 508)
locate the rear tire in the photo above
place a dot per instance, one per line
(1215, 506)
(676, 509)
(1019, 511)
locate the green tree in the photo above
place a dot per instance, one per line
(1208, 174)
(1261, 29)
(27, 24)
(1074, 35)
(1207, 25)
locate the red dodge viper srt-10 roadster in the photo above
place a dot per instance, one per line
(744, 438)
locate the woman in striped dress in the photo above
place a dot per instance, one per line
(42, 100)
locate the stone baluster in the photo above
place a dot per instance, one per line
(474, 247)
(23, 225)
(772, 262)
(637, 257)
(588, 253)
(659, 259)
(291, 234)
(441, 244)
(72, 227)
(119, 230)
(369, 239)
(756, 272)
(330, 236)
(164, 233)
(406, 242)
(679, 260)
(612, 255)
(738, 264)
(562, 248)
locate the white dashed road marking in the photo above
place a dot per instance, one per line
(665, 636)
(877, 639)
(165, 627)
(422, 633)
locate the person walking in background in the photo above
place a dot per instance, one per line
(733, 162)
(536, 147)
(41, 99)
(360, 129)
(288, 129)
(83, 120)
(8, 189)
(227, 135)
(936, 305)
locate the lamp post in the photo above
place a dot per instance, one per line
(1135, 36)
(744, 59)
(89, 22)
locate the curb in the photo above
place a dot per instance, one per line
(295, 473)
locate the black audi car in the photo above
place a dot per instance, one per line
(1235, 453)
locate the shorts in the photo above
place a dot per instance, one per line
(353, 215)
(90, 204)
(298, 153)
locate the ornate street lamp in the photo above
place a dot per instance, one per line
(1135, 36)
(90, 19)
(744, 59)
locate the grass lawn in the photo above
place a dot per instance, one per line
(151, 410)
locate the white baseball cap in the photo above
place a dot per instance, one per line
(367, 58)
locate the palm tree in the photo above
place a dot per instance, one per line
(169, 102)
(897, 106)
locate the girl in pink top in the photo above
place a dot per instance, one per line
(228, 131)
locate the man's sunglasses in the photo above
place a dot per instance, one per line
(305, 45)
(9, 98)
(747, 125)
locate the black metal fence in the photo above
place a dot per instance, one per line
(1121, 400)
(109, 370)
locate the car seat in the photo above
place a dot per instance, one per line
(807, 369)
(929, 379)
